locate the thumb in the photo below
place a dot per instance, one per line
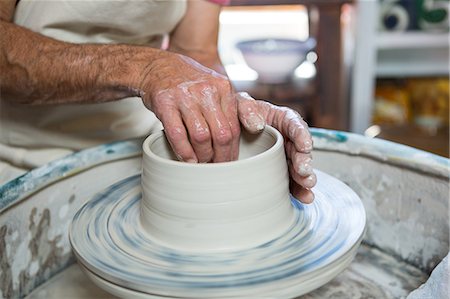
(249, 113)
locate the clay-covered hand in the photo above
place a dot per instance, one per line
(298, 142)
(196, 106)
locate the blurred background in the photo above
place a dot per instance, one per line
(379, 68)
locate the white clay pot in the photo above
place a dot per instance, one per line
(216, 206)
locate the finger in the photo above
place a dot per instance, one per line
(302, 163)
(290, 124)
(229, 107)
(198, 130)
(304, 195)
(177, 136)
(298, 132)
(222, 138)
(249, 113)
(304, 181)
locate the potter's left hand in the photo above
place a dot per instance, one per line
(255, 114)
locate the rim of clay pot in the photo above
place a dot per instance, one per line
(267, 129)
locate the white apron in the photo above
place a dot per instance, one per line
(56, 130)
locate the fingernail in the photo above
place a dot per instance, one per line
(310, 181)
(312, 197)
(255, 122)
(308, 145)
(306, 197)
(305, 168)
(191, 161)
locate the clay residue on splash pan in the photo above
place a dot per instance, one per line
(16, 190)
(381, 150)
(29, 263)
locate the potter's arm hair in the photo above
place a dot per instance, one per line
(35, 69)
(197, 34)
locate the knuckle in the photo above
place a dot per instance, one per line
(310, 181)
(165, 111)
(207, 88)
(224, 84)
(223, 137)
(202, 85)
(174, 133)
(201, 136)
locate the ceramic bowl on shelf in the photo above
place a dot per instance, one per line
(216, 206)
(275, 59)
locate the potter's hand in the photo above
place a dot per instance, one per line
(196, 106)
(298, 142)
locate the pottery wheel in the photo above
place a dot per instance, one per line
(118, 255)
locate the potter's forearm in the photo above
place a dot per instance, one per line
(39, 70)
(196, 35)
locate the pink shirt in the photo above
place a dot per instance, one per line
(220, 2)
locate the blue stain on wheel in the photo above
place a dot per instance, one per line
(330, 135)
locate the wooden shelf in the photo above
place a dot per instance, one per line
(390, 55)
(428, 68)
(412, 40)
(412, 54)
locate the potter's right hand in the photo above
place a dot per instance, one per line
(196, 106)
